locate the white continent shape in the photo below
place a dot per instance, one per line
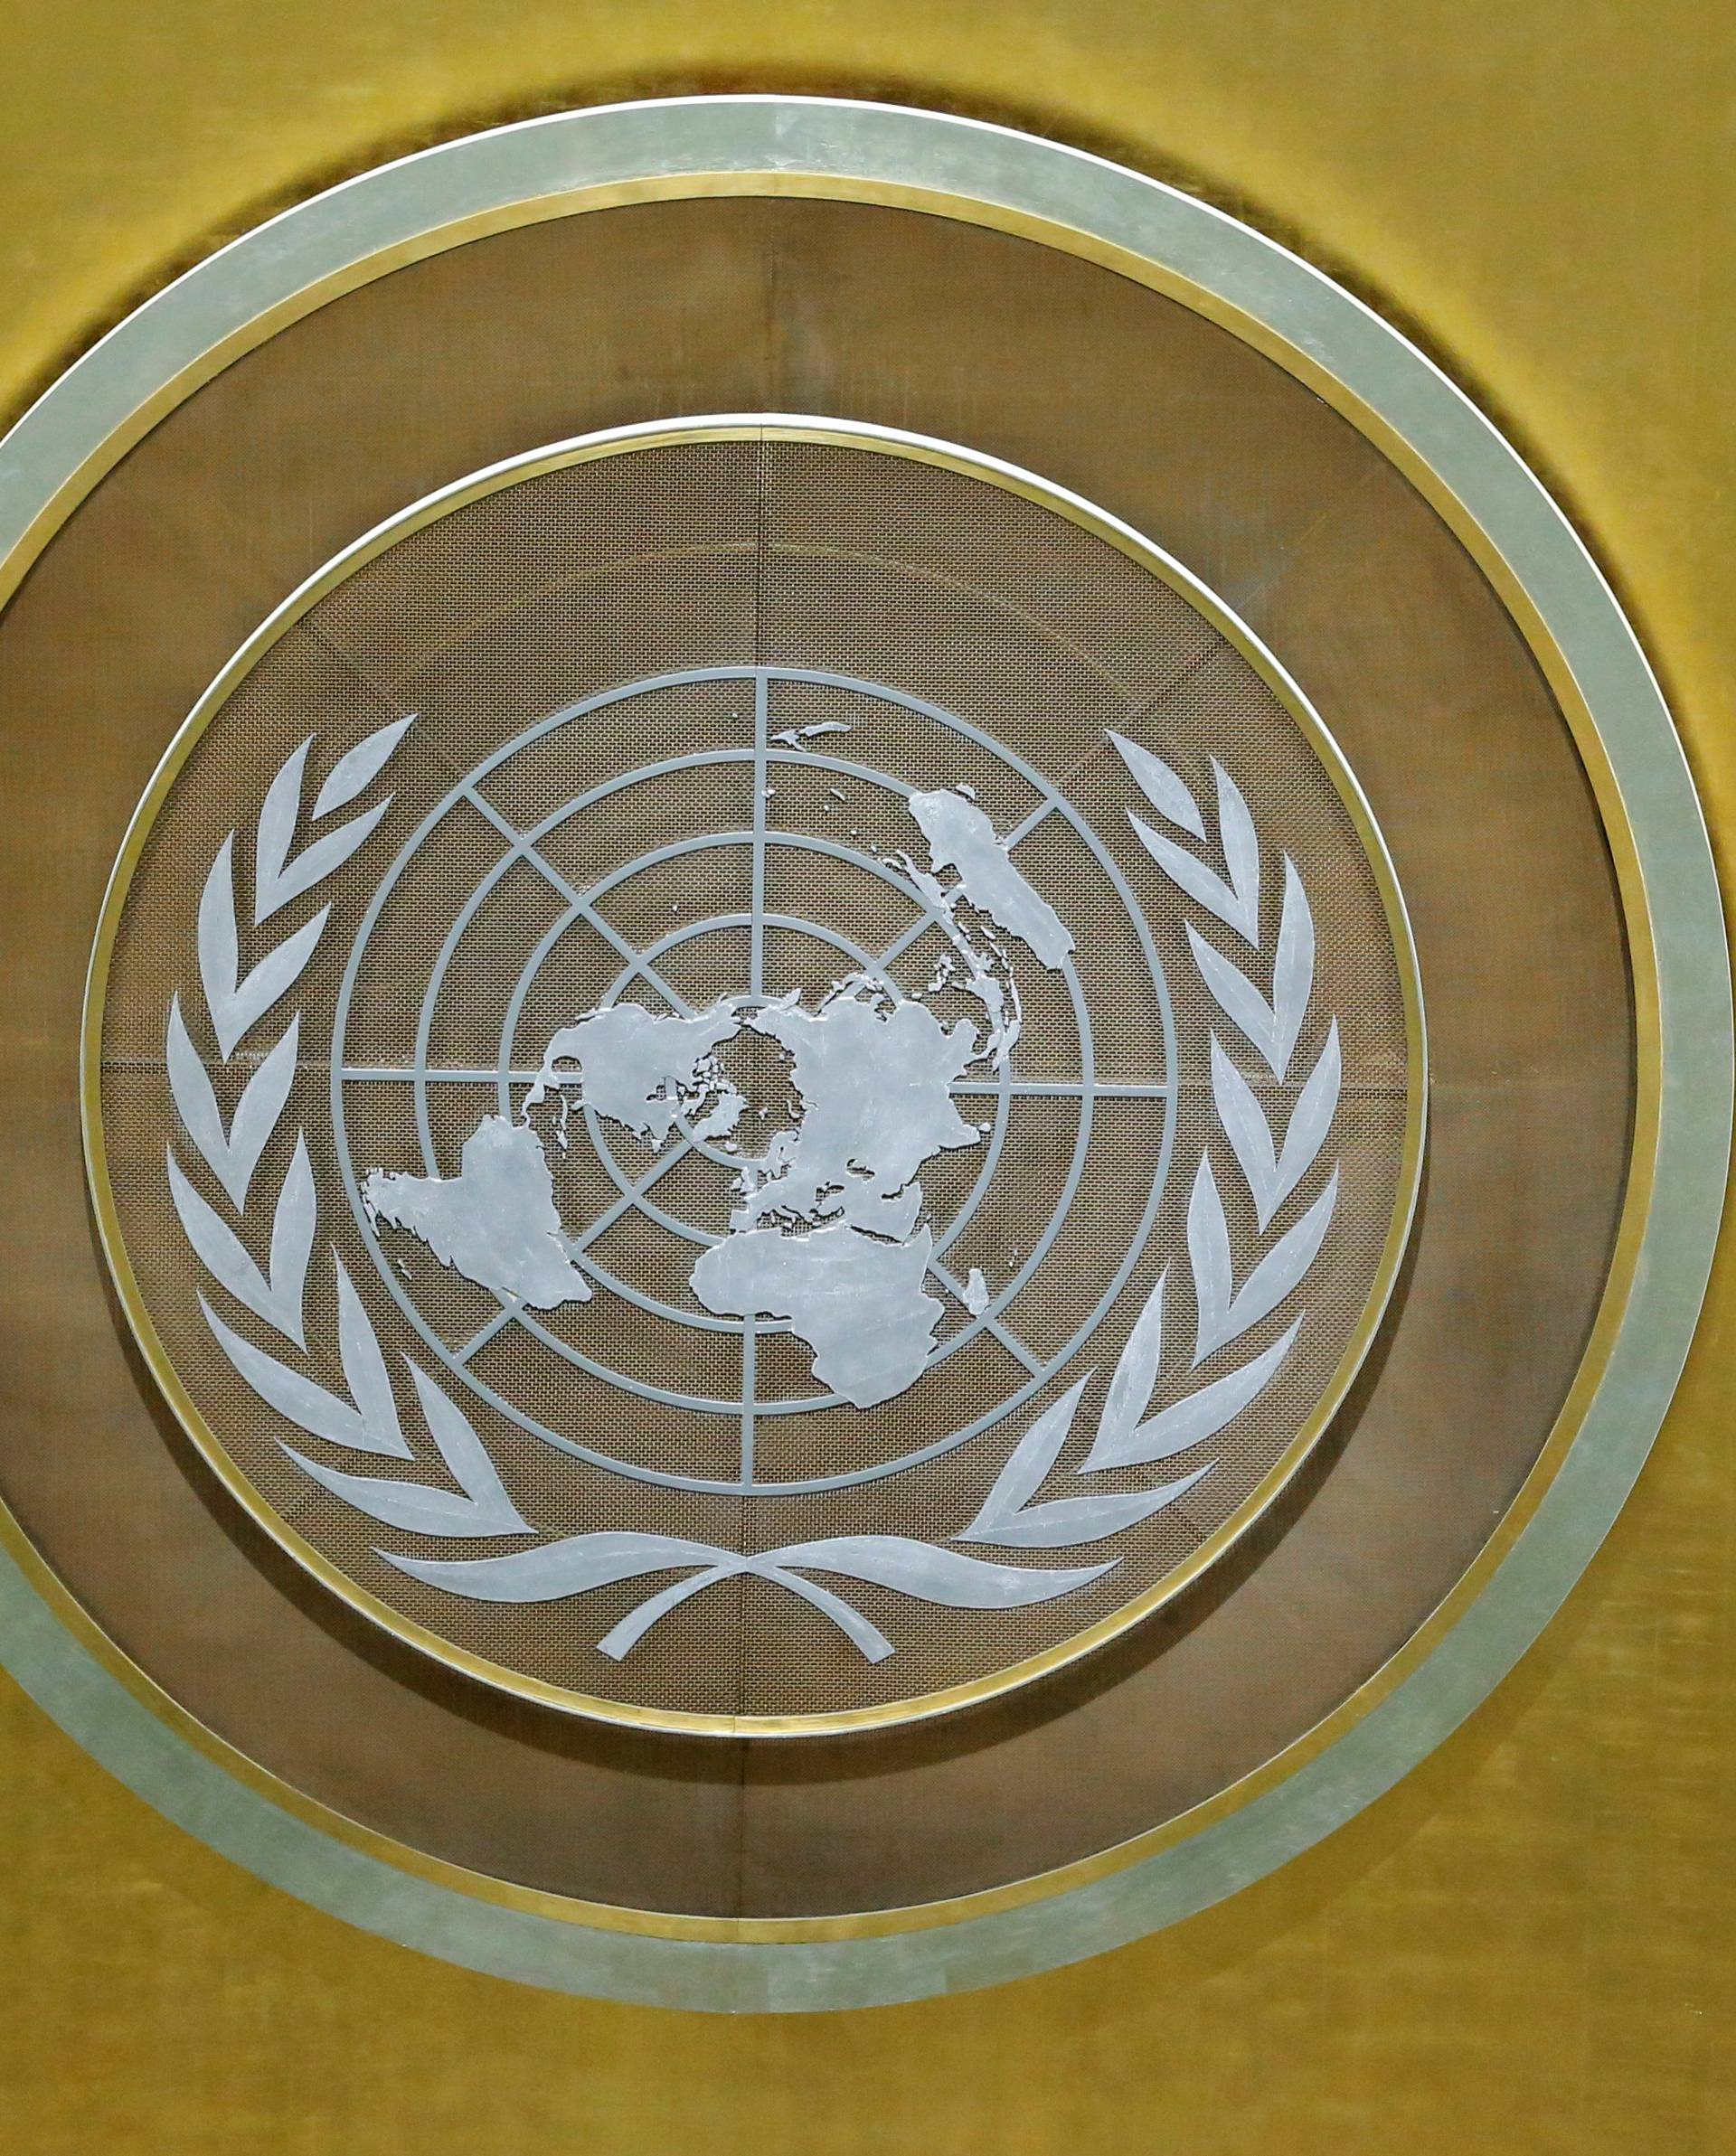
(827, 1237)
(494, 1221)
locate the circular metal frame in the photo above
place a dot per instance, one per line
(1233, 276)
(867, 438)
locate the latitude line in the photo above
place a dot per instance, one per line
(1072, 1088)
(526, 849)
(756, 987)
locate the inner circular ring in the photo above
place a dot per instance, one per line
(634, 1192)
(622, 1180)
(973, 1198)
(980, 1320)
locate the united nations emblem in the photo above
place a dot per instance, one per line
(763, 1076)
(754, 1075)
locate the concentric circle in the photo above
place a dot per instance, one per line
(510, 1075)
(1210, 1763)
(926, 1490)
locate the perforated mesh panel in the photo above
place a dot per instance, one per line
(970, 636)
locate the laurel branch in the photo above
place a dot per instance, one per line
(1013, 1516)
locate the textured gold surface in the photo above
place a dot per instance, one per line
(1525, 1947)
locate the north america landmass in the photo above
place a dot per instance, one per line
(827, 1235)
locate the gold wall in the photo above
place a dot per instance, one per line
(1526, 1947)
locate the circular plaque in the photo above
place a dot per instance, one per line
(767, 792)
(805, 1070)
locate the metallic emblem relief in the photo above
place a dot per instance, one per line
(673, 1184)
(1451, 631)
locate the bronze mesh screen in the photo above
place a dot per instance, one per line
(1032, 635)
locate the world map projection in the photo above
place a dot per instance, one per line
(828, 1234)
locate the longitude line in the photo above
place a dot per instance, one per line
(502, 1318)
(1021, 832)
(749, 1377)
(527, 851)
(900, 944)
(749, 1329)
(1009, 1340)
(607, 1219)
(757, 910)
(761, 720)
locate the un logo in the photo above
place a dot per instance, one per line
(757, 1312)
(785, 1071)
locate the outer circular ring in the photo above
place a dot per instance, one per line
(1204, 259)
(881, 441)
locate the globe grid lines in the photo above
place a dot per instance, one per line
(868, 965)
(928, 916)
(757, 920)
(632, 1193)
(522, 846)
(751, 1330)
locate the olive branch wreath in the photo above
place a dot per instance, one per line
(235, 1004)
